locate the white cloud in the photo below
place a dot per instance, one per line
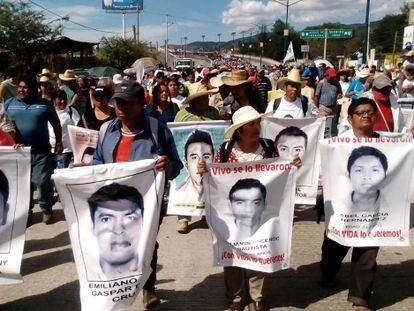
(243, 14)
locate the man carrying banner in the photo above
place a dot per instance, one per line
(31, 115)
(245, 145)
(362, 115)
(132, 136)
(292, 104)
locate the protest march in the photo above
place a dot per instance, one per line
(160, 168)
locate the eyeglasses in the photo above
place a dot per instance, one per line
(362, 114)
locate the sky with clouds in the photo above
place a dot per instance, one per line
(194, 18)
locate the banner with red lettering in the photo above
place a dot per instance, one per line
(367, 184)
(249, 208)
(112, 212)
(14, 207)
(83, 143)
(195, 142)
(299, 137)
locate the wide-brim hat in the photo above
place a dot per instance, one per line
(46, 72)
(292, 77)
(363, 73)
(197, 90)
(241, 117)
(237, 77)
(216, 81)
(68, 75)
(44, 79)
(409, 53)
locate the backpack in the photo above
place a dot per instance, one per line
(226, 147)
(303, 99)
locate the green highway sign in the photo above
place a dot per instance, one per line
(320, 34)
(339, 33)
(312, 34)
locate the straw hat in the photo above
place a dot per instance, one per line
(196, 90)
(292, 77)
(216, 81)
(410, 53)
(363, 73)
(241, 117)
(68, 75)
(46, 72)
(44, 79)
(237, 77)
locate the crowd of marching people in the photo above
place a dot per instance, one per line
(126, 110)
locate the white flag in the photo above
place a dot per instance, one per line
(289, 53)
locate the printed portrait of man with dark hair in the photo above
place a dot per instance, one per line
(247, 202)
(290, 142)
(198, 147)
(117, 214)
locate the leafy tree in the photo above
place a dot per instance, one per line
(121, 53)
(383, 36)
(23, 32)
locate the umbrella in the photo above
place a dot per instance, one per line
(145, 62)
(323, 61)
(103, 71)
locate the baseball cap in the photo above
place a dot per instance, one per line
(101, 91)
(128, 90)
(330, 72)
(381, 82)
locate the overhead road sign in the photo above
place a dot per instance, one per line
(339, 33)
(122, 5)
(332, 33)
(312, 34)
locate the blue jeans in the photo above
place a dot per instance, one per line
(42, 168)
(63, 160)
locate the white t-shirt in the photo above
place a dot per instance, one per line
(65, 120)
(291, 110)
(179, 101)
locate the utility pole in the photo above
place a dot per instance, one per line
(185, 46)
(286, 31)
(137, 33)
(168, 24)
(393, 48)
(325, 43)
(123, 25)
(365, 47)
(219, 35)
(234, 46)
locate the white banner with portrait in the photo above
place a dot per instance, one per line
(83, 143)
(112, 212)
(249, 208)
(298, 137)
(367, 184)
(196, 142)
(14, 207)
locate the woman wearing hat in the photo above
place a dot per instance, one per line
(70, 87)
(245, 145)
(198, 105)
(100, 111)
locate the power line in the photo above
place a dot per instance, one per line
(73, 22)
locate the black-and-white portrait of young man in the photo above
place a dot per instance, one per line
(4, 196)
(247, 202)
(291, 142)
(117, 213)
